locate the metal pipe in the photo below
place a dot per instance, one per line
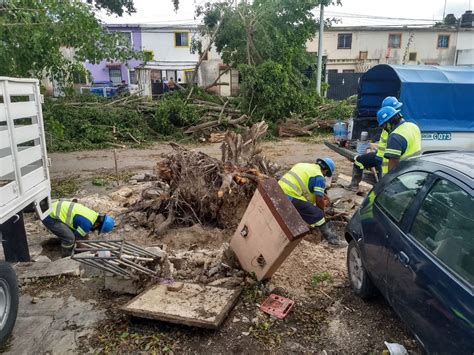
(320, 49)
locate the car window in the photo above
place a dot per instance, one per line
(445, 226)
(396, 197)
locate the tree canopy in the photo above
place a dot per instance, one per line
(266, 41)
(50, 38)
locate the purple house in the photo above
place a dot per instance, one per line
(117, 71)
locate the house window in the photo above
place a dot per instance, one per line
(181, 39)
(332, 71)
(394, 40)
(363, 55)
(115, 76)
(412, 56)
(189, 75)
(443, 41)
(125, 39)
(133, 77)
(344, 41)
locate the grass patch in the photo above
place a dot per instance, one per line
(320, 277)
(64, 187)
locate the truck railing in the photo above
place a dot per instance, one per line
(24, 175)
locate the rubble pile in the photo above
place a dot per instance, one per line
(193, 187)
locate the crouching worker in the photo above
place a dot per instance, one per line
(70, 220)
(304, 185)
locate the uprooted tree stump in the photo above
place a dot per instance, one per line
(193, 187)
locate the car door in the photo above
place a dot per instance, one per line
(430, 270)
(380, 218)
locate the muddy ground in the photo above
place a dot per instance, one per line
(327, 315)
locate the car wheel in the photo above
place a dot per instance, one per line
(360, 281)
(8, 300)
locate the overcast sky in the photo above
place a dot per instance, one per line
(352, 12)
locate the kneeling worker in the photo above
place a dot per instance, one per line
(304, 185)
(70, 220)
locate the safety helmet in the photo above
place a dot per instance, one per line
(329, 163)
(385, 114)
(392, 102)
(107, 225)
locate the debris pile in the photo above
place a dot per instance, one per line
(193, 187)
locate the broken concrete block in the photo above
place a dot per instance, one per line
(227, 282)
(88, 271)
(121, 195)
(346, 180)
(194, 305)
(41, 259)
(175, 287)
(337, 193)
(178, 263)
(121, 285)
(168, 269)
(65, 266)
(138, 177)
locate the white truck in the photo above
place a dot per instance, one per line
(24, 181)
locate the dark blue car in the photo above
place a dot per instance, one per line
(413, 240)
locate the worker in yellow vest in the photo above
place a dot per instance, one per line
(305, 187)
(373, 159)
(70, 220)
(404, 138)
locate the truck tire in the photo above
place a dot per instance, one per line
(8, 300)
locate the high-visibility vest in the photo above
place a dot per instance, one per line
(295, 182)
(382, 144)
(65, 211)
(412, 134)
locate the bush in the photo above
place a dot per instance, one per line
(172, 113)
(273, 91)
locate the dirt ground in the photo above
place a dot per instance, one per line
(327, 317)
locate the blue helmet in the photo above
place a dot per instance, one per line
(107, 225)
(392, 102)
(329, 163)
(385, 114)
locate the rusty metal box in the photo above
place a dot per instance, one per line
(268, 232)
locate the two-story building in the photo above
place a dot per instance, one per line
(356, 49)
(118, 71)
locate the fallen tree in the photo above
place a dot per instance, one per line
(193, 187)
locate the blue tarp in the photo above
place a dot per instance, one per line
(435, 98)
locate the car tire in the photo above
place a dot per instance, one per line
(358, 276)
(8, 301)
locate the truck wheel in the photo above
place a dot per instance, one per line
(360, 281)
(8, 300)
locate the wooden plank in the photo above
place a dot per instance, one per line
(20, 89)
(193, 305)
(4, 138)
(23, 109)
(8, 193)
(29, 155)
(26, 133)
(33, 179)
(6, 165)
(3, 116)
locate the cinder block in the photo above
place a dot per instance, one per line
(121, 285)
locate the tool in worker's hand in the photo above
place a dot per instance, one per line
(115, 256)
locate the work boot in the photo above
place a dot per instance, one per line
(66, 250)
(356, 179)
(330, 235)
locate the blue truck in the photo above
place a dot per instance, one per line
(439, 99)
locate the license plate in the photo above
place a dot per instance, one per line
(436, 136)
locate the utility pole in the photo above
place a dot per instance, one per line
(320, 48)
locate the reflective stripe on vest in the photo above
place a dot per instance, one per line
(412, 135)
(295, 182)
(65, 211)
(382, 144)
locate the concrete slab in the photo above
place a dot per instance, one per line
(121, 285)
(41, 269)
(346, 180)
(194, 305)
(52, 325)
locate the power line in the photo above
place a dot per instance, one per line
(352, 15)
